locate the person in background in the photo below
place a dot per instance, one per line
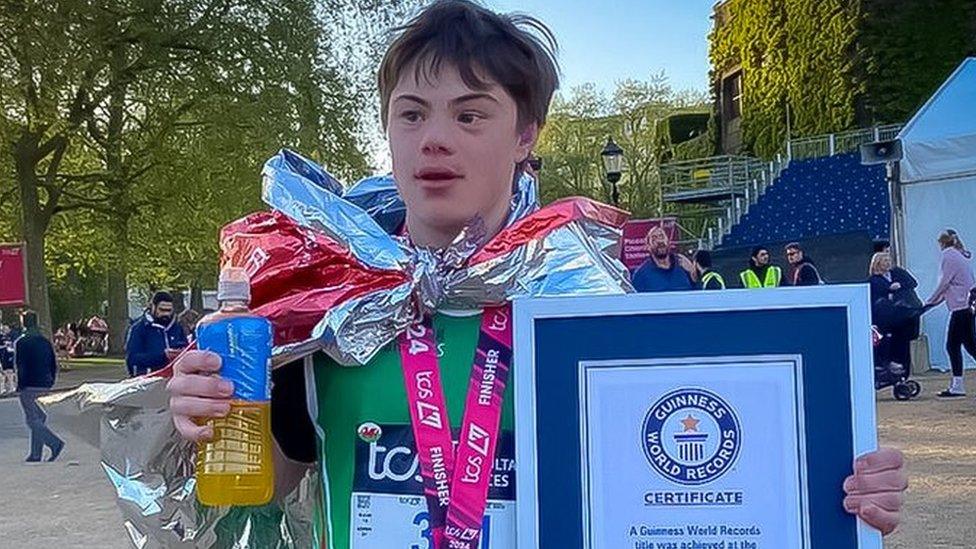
(895, 308)
(663, 271)
(955, 286)
(8, 376)
(803, 270)
(710, 280)
(154, 339)
(37, 369)
(761, 274)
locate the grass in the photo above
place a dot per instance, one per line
(93, 362)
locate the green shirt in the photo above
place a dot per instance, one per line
(346, 398)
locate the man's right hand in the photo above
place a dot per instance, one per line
(197, 392)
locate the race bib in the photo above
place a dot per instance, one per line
(388, 505)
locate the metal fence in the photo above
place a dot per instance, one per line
(717, 172)
(749, 177)
(838, 143)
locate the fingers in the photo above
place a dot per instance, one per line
(885, 521)
(873, 483)
(199, 386)
(883, 459)
(198, 407)
(197, 362)
(197, 392)
(191, 431)
(889, 501)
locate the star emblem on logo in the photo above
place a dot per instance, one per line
(690, 423)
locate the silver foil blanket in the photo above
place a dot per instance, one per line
(331, 276)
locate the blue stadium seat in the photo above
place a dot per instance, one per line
(817, 197)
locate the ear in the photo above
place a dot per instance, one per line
(526, 142)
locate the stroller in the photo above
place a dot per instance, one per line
(888, 373)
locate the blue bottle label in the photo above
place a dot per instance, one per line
(244, 346)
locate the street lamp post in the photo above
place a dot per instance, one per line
(613, 166)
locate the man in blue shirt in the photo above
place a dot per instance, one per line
(154, 339)
(664, 271)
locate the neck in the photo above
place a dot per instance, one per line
(662, 262)
(428, 235)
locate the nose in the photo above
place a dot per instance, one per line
(436, 139)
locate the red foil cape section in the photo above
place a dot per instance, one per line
(298, 274)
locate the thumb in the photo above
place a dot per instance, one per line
(879, 518)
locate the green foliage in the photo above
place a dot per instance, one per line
(913, 46)
(139, 129)
(837, 64)
(636, 116)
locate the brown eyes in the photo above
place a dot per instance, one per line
(466, 118)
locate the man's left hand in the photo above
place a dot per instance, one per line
(876, 490)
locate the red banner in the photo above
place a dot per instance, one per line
(634, 252)
(13, 275)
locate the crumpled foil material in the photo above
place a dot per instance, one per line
(331, 272)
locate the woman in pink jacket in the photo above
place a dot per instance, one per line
(954, 288)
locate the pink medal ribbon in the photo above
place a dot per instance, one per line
(456, 483)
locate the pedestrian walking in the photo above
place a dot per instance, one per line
(36, 372)
(955, 286)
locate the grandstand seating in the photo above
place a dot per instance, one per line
(817, 197)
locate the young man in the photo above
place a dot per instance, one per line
(803, 270)
(36, 371)
(664, 271)
(464, 93)
(710, 280)
(154, 339)
(760, 273)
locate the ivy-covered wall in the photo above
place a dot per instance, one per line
(911, 47)
(837, 64)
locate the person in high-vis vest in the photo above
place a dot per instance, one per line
(760, 273)
(709, 279)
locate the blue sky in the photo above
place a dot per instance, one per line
(603, 41)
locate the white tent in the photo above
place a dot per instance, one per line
(938, 189)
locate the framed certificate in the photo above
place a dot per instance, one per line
(695, 420)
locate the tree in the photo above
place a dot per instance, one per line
(95, 99)
(635, 116)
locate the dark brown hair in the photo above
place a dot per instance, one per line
(515, 51)
(950, 239)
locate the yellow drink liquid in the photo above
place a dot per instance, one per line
(235, 468)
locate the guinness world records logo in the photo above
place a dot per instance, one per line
(691, 436)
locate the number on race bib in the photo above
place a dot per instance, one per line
(423, 518)
(425, 534)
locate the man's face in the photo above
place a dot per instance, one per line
(454, 149)
(794, 256)
(658, 244)
(762, 258)
(163, 311)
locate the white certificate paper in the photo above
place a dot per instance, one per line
(694, 453)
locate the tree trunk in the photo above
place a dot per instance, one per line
(196, 297)
(118, 310)
(34, 225)
(118, 290)
(179, 301)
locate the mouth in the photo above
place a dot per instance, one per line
(437, 177)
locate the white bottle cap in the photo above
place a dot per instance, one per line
(234, 285)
